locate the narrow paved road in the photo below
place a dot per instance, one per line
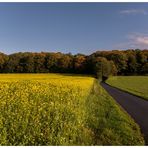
(135, 106)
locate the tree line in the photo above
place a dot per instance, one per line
(100, 63)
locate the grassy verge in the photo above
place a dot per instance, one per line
(109, 123)
(137, 85)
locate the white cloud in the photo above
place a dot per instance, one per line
(134, 40)
(134, 11)
(138, 38)
(142, 40)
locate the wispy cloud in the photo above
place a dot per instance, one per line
(139, 38)
(134, 11)
(134, 40)
(142, 40)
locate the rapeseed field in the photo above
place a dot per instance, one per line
(54, 109)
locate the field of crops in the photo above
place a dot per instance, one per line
(53, 109)
(137, 85)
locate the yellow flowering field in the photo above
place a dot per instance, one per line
(54, 109)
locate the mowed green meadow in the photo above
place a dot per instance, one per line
(56, 109)
(137, 85)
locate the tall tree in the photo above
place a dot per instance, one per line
(39, 63)
(80, 63)
(3, 61)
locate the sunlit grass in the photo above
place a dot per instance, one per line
(137, 85)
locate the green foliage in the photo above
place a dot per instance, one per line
(128, 62)
(120, 60)
(3, 60)
(104, 68)
(145, 68)
(43, 109)
(80, 63)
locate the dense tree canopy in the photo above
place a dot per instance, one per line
(100, 63)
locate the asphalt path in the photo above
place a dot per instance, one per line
(135, 106)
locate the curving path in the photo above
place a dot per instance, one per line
(135, 106)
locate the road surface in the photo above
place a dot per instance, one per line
(135, 106)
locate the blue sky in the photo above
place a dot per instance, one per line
(72, 27)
